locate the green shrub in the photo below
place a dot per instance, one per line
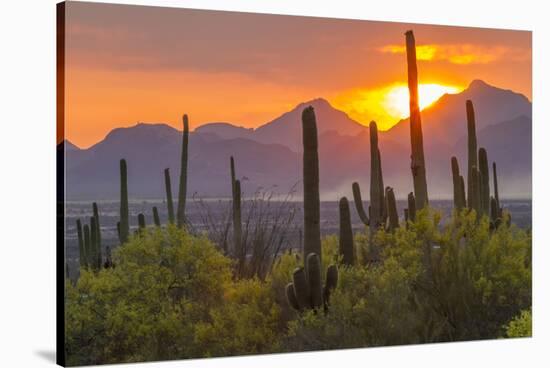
(520, 326)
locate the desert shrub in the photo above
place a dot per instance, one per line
(246, 323)
(520, 326)
(434, 282)
(148, 307)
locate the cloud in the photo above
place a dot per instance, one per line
(461, 53)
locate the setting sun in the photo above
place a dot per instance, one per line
(396, 100)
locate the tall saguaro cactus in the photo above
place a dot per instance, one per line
(312, 206)
(98, 231)
(472, 149)
(182, 194)
(376, 181)
(156, 217)
(495, 186)
(81, 254)
(169, 200)
(475, 191)
(484, 191)
(237, 225)
(418, 166)
(393, 217)
(347, 249)
(124, 212)
(458, 186)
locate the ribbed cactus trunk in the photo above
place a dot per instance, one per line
(411, 203)
(458, 185)
(393, 217)
(312, 226)
(169, 200)
(376, 182)
(237, 226)
(472, 149)
(495, 187)
(233, 175)
(484, 190)
(81, 254)
(87, 245)
(156, 217)
(124, 212)
(98, 232)
(182, 194)
(346, 246)
(475, 190)
(358, 200)
(418, 166)
(141, 221)
(93, 244)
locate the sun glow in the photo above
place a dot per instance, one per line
(396, 99)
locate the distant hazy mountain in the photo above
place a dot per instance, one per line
(270, 156)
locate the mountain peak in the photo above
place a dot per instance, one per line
(478, 83)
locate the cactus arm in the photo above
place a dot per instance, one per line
(169, 200)
(393, 217)
(484, 191)
(359, 203)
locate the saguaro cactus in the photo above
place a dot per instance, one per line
(169, 201)
(141, 221)
(484, 191)
(411, 202)
(312, 226)
(98, 232)
(87, 245)
(495, 187)
(347, 248)
(359, 203)
(475, 191)
(124, 212)
(418, 166)
(182, 194)
(94, 253)
(233, 175)
(237, 225)
(81, 254)
(376, 181)
(393, 218)
(472, 149)
(156, 217)
(307, 291)
(458, 185)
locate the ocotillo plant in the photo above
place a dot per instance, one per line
(169, 201)
(124, 212)
(312, 226)
(393, 218)
(346, 246)
(418, 166)
(472, 149)
(376, 181)
(357, 199)
(237, 226)
(156, 218)
(484, 191)
(182, 194)
(307, 291)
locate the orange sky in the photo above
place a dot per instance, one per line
(126, 64)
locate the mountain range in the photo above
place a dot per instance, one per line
(269, 156)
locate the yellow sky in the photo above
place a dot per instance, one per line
(126, 64)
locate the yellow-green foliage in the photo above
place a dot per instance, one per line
(521, 326)
(149, 306)
(458, 281)
(246, 323)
